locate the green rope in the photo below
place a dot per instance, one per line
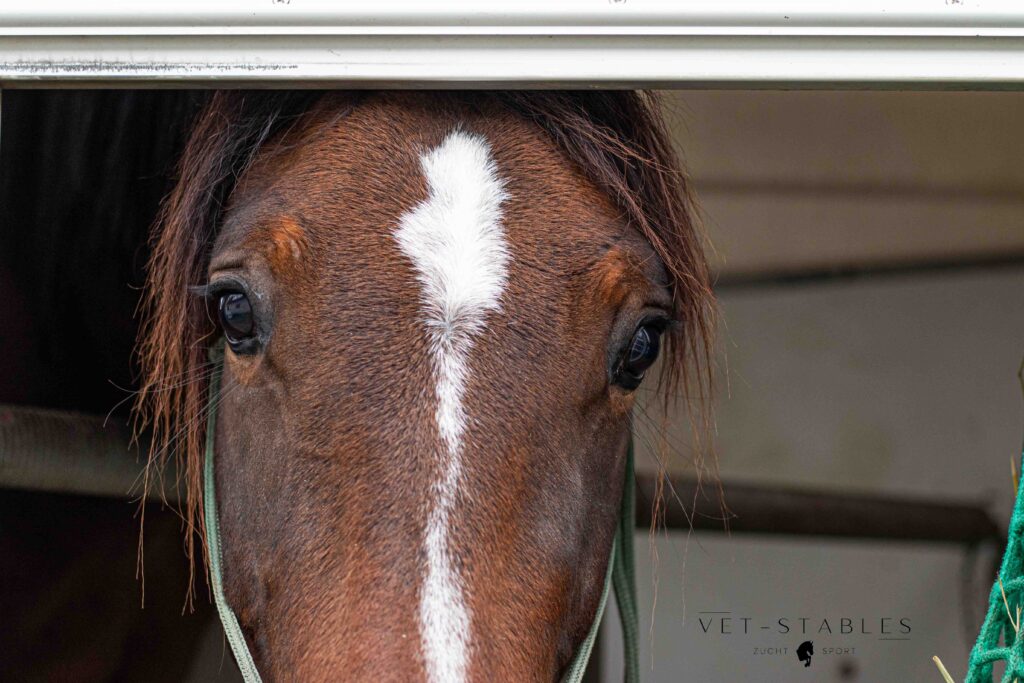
(578, 667)
(622, 576)
(999, 626)
(227, 616)
(620, 572)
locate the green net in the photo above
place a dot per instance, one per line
(1002, 636)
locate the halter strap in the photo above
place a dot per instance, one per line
(620, 573)
(622, 576)
(236, 639)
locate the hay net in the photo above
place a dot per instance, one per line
(1001, 637)
(1002, 634)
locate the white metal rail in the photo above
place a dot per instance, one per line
(923, 44)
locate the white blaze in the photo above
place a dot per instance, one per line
(456, 244)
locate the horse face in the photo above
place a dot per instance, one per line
(435, 326)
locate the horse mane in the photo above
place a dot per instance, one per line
(616, 138)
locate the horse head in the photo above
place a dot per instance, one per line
(436, 310)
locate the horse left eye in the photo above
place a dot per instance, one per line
(236, 318)
(638, 356)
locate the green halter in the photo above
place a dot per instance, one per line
(620, 573)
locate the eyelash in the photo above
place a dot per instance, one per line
(215, 289)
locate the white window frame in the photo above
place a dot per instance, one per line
(905, 44)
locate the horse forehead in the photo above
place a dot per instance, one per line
(353, 177)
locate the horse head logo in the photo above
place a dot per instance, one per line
(805, 651)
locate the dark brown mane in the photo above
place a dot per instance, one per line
(616, 138)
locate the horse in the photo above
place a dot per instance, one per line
(430, 314)
(435, 310)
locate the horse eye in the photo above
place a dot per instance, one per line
(638, 356)
(236, 318)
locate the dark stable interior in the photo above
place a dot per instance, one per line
(81, 177)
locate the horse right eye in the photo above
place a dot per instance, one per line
(236, 319)
(638, 356)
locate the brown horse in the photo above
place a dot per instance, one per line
(437, 308)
